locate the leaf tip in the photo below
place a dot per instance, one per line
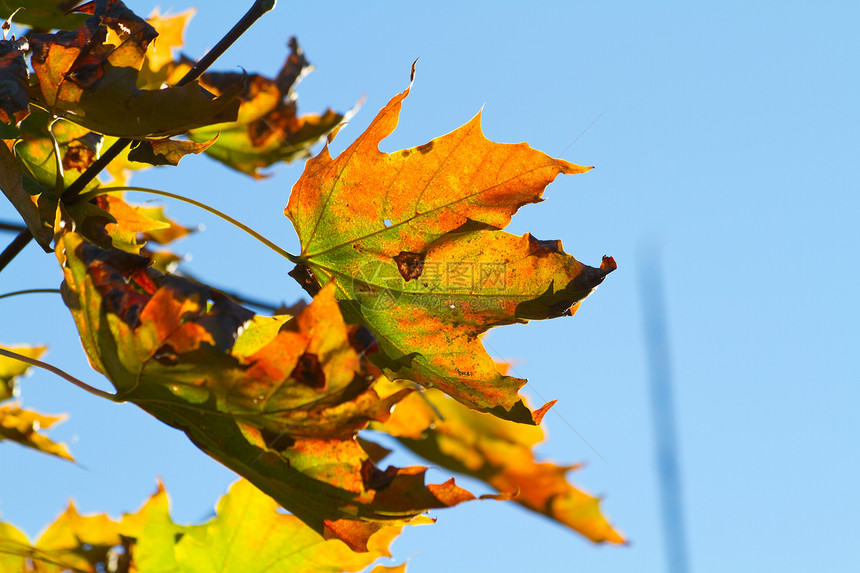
(538, 414)
(608, 264)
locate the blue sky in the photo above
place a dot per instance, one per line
(725, 133)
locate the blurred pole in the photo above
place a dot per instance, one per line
(663, 411)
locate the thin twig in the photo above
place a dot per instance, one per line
(17, 245)
(61, 374)
(12, 227)
(240, 298)
(236, 223)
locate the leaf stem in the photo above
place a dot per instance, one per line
(61, 374)
(70, 195)
(110, 190)
(60, 176)
(30, 291)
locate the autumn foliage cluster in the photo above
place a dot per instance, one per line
(404, 254)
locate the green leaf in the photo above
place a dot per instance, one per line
(249, 535)
(12, 182)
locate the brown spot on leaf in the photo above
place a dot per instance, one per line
(78, 157)
(305, 277)
(375, 478)
(362, 340)
(540, 248)
(309, 372)
(410, 265)
(425, 149)
(277, 440)
(166, 356)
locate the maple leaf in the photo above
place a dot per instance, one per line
(412, 241)
(277, 399)
(90, 76)
(497, 452)
(268, 128)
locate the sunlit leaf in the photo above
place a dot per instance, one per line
(11, 369)
(14, 549)
(159, 65)
(268, 129)
(498, 452)
(249, 535)
(24, 427)
(82, 541)
(281, 409)
(412, 241)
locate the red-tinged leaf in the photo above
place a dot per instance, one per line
(268, 129)
(11, 369)
(14, 78)
(499, 453)
(281, 407)
(412, 240)
(90, 76)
